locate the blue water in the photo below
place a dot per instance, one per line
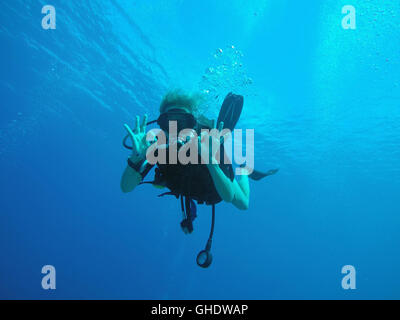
(324, 103)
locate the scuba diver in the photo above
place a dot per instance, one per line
(207, 182)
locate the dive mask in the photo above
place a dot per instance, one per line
(183, 120)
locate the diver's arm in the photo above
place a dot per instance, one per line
(242, 192)
(130, 179)
(137, 168)
(236, 192)
(229, 191)
(222, 183)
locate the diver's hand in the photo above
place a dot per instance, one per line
(138, 137)
(209, 153)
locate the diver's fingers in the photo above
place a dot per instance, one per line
(192, 134)
(201, 139)
(144, 123)
(150, 136)
(201, 147)
(203, 133)
(135, 144)
(226, 137)
(153, 147)
(129, 130)
(137, 128)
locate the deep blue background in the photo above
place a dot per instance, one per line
(324, 103)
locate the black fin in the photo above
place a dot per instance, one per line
(258, 175)
(230, 111)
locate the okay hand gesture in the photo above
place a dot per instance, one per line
(138, 137)
(210, 152)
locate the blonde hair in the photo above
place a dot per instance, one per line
(178, 98)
